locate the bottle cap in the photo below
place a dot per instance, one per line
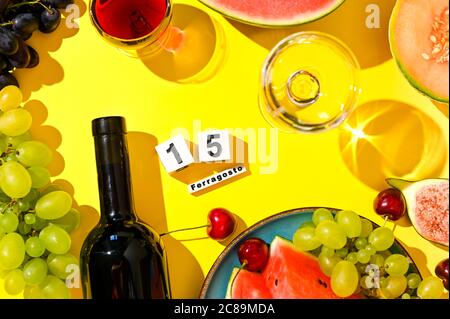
(112, 125)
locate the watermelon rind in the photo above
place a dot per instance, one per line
(413, 82)
(259, 22)
(409, 190)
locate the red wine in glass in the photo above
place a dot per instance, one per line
(130, 19)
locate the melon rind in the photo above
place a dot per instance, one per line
(414, 83)
(272, 23)
(409, 190)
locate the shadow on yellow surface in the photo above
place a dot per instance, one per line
(186, 275)
(348, 23)
(198, 171)
(46, 134)
(49, 71)
(201, 53)
(386, 138)
(419, 258)
(442, 107)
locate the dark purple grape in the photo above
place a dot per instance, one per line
(24, 37)
(11, 12)
(3, 63)
(49, 21)
(8, 42)
(25, 24)
(3, 5)
(6, 79)
(34, 58)
(22, 57)
(60, 4)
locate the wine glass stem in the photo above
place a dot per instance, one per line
(174, 40)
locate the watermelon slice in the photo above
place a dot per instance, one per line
(419, 43)
(290, 274)
(273, 13)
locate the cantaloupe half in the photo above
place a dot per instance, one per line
(419, 44)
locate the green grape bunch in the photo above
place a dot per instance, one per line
(357, 258)
(36, 217)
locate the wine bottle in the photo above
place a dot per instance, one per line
(121, 258)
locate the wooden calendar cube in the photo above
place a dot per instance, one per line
(175, 154)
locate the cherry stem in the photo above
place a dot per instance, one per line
(182, 230)
(234, 278)
(30, 2)
(385, 220)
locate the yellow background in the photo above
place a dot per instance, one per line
(81, 77)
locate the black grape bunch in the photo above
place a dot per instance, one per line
(18, 20)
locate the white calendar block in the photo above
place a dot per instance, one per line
(214, 146)
(175, 154)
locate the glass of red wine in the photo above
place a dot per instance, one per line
(138, 28)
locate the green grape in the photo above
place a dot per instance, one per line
(39, 224)
(39, 176)
(11, 157)
(70, 221)
(363, 256)
(366, 228)
(377, 259)
(13, 209)
(34, 153)
(327, 251)
(53, 205)
(51, 188)
(3, 145)
(35, 271)
(14, 282)
(14, 141)
(381, 238)
(352, 257)
(430, 288)
(305, 239)
(394, 287)
(60, 265)
(3, 273)
(23, 228)
(12, 251)
(31, 197)
(343, 252)
(370, 249)
(32, 292)
(15, 122)
(360, 243)
(308, 225)
(30, 218)
(413, 280)
(55, 239)
(328, 263)
(16, 182)
(350, 222)
(23, 206)
(3, 197)
(34, 247)
(344, 279)
(366, 282)
(9, 222)
(406, 296)
(320, 215)
(10, 98)
(330, 234)
(54, 288)
(396, 264)
(383, 282)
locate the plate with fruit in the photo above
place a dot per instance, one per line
(317, 253)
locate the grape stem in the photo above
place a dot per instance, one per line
(5, 24)
(30, 2)
(385, 221)
(184, 229)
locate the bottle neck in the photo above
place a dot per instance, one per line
(114, 182)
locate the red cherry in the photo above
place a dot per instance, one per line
(254, 254)
(390, 203)
(442, 272)
(221, 224)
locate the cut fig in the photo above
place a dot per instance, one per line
(428, 205)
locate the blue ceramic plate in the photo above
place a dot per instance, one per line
(285, 225)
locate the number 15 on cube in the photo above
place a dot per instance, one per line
(175, 154)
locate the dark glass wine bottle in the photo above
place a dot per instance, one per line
(121, 258)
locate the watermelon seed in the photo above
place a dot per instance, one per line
(322, 283)
(276, 282)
